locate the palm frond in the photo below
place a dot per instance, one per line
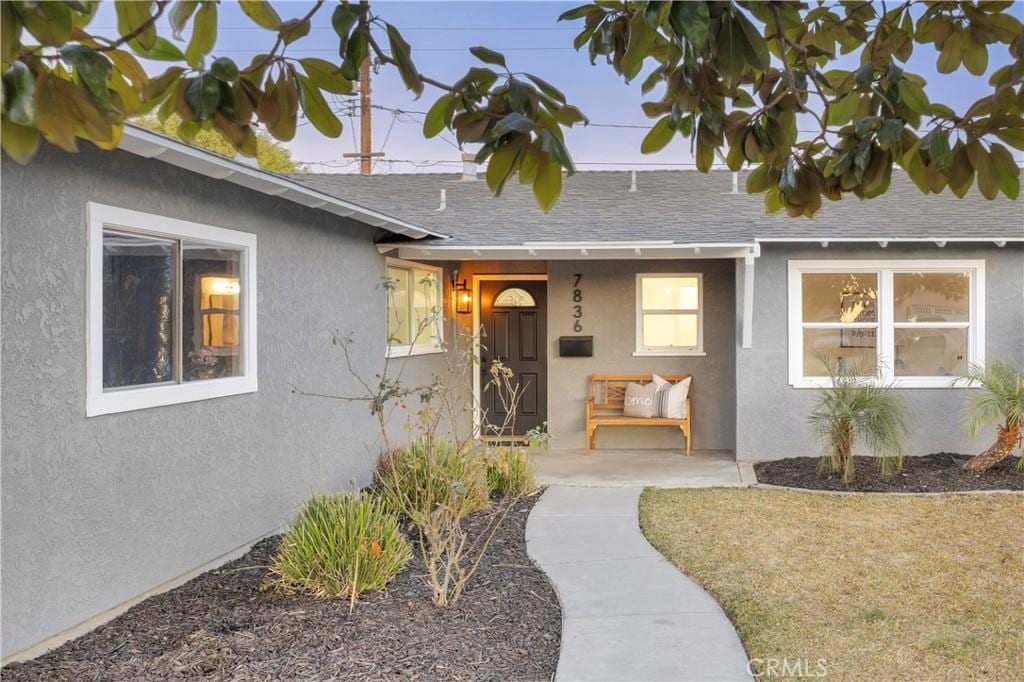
(1001, 397)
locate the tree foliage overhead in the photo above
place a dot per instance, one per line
(733, 79)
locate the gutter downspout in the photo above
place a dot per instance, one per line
(747, 326)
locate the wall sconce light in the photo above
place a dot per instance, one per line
(463, 298)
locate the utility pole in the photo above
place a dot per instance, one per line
(365, 153)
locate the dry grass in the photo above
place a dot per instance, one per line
(882, 587)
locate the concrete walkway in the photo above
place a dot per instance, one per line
(627, 613)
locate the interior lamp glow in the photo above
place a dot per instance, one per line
(224, 286)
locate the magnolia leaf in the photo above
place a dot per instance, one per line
(163, 50)
(988, 182)
(91, 68)
(658, 137)
(641, 39)
(19, 142)
(293, 29)
(54, 117)
(501, 165)
(19, 90)
(262, 13)
(705, 156)
(962, 174)
(940, 153)
(533, 157)
(438, 116)
(179, 16)
(975, 55)
(547, 88)
(402, 54)
(488, 56)
(570, 115)
(224, 69)
(555, 148)
(131, 14)
(203, 95)
(326, 76)
(204, 35)
(842, 111)
(512, 123)
(690, 20)
(129, 67)
(788, 179)
(316, 110)
(547, 186)
(356, 52)
(950, 56)
(1012, 136)
(913, 96)
(1006, 170)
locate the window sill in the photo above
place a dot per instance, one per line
(669, 354)
(410, 351)
(144, 397)
(919, 382)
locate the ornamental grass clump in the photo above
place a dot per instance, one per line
(510, 471)
(340, 546)
(431, 473)
(856, 408)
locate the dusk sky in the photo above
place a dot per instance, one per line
(531, 39)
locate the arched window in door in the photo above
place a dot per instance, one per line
(514, 297)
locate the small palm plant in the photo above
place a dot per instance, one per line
(1001, 399)
(855, 408)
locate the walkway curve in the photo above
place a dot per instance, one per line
(627, 613)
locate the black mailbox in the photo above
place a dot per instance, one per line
(576, 346)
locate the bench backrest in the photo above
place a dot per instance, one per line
(609, 390)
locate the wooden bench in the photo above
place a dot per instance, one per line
(607, 400)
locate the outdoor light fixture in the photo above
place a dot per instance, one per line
(463, 296)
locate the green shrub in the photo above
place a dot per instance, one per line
(340, 546)
(433, 473)
(510, 471)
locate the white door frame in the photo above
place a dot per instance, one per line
(477, 387)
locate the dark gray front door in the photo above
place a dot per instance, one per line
(514, 318)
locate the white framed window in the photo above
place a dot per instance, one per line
(911, 323)
(171, 311)
(669, 314)
(414, 308)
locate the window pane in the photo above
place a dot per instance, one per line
(850, 349)
(931, 296)
(840, 297)
(138, 315)
(212, 315)
(670, 331)
(426, 300)
(669, 293)
(931, 352)
(399, 326)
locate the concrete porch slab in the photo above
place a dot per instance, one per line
(633, 468)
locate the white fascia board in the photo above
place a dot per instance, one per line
(152, 145)
(891, 240)
(572, 251)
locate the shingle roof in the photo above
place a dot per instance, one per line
(686, 207)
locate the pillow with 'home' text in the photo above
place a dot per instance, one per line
(639, 400)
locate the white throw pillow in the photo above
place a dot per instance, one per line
(659, 395)
(639, 400)
(672, 400)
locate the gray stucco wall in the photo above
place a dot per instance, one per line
(99, 510)
(609, 309)
(770, 414)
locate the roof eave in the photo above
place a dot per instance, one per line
(153, 145)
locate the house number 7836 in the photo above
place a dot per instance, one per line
(577, 303)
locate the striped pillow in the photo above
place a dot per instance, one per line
(670, 399)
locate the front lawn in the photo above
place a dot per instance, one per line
(881, 587)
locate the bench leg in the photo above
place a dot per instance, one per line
(591, 433)
(685, 428)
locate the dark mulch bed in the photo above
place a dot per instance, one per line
(938, 473)
(220, 626)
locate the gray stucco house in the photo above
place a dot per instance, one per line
(160, 303)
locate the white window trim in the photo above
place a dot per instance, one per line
(644, 351)
(410, 350)
(98, 401)
(885, 335)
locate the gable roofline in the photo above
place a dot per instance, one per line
(152, 145)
